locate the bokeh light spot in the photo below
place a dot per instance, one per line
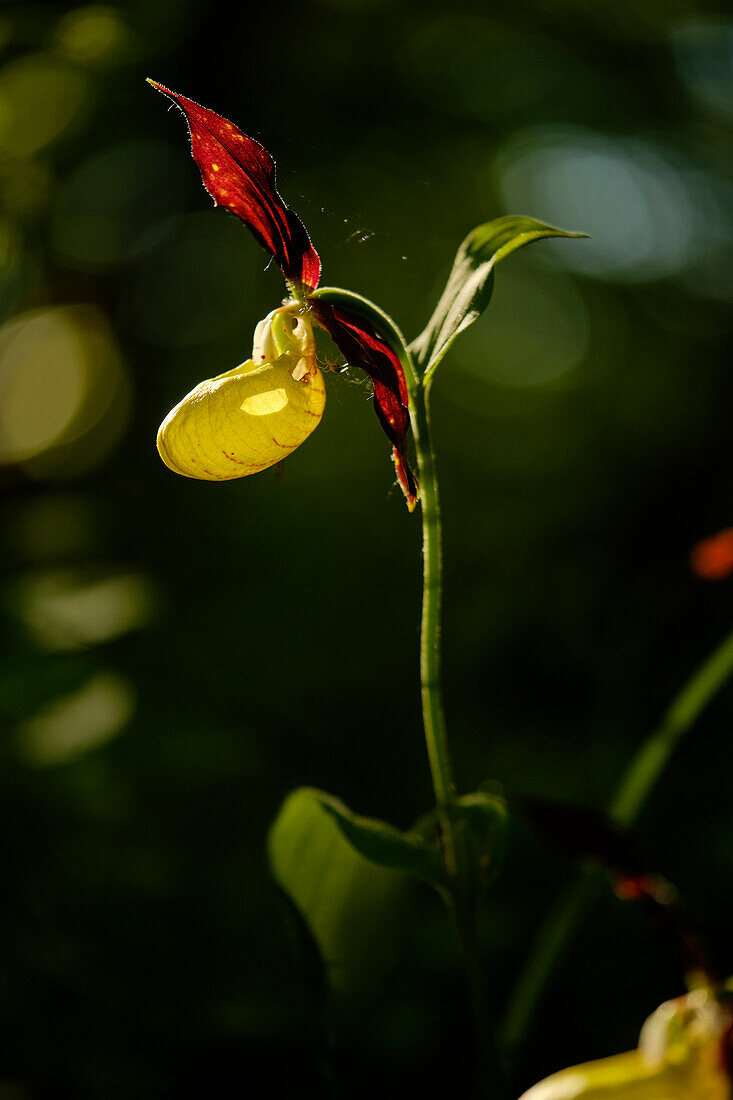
(41, 99)
(637, 204)
(93, 34)
(76, 723)
(712, 558)
(69, 609)
(43, 383)
(61, 377)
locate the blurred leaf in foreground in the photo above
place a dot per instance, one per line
(382, 843)
(347, 900)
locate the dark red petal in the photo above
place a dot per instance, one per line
(240, 176)
(712, 559)
(362, 347)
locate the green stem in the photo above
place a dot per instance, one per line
(462, 901)
(430, 656)
(647, 765)
(460, 885)
(430, 676)
(550, 943)
(636, 784)
(488, 1069)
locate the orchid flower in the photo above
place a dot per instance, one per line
(251, 417)
(682, 1055)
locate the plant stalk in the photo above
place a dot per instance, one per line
(430, 655)
(462, 901)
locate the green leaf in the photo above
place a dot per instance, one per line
(310, 963)
(471, 282)
(482, 821)
(383, 843)
(347, 900)
(479, 821)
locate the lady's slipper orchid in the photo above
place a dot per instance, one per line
(251, 417)
(682, 1055)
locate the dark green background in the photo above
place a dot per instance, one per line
(583, 436)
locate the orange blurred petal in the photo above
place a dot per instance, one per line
(712, 558)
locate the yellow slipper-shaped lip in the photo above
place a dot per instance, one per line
(241, 422)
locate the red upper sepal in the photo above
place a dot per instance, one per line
(239, 174)
(362, 347)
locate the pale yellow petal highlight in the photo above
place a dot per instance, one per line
(620, 1077)
(241, 422)
(679, 1057)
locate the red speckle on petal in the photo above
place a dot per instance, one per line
(238, 167)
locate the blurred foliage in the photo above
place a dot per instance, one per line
(178, 656)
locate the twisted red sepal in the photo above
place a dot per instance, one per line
(239, 174)
(362, 347)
